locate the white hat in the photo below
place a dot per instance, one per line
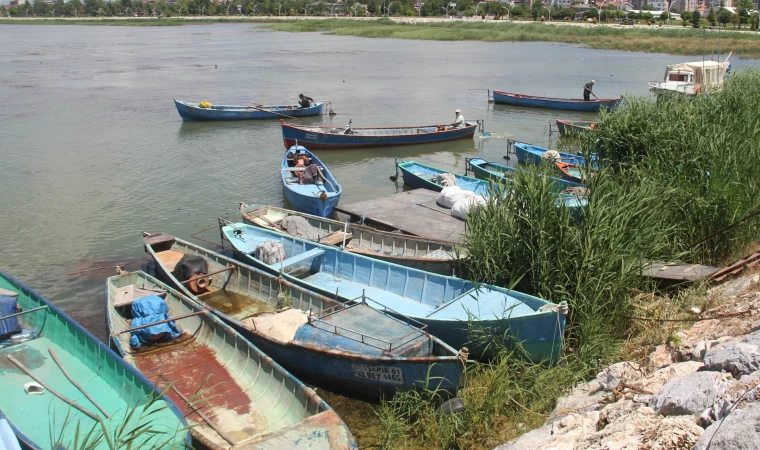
(458, 111)
(593, 82)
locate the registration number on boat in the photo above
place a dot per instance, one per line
(311, 136)
(379, 373)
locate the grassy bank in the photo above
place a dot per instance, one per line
(673, 172)
(686, 41)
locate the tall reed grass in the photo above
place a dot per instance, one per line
(672, 172)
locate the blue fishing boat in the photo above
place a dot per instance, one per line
(568, 164)
(569, 104)
(193, 111)
(485, 170)
(318, 138)
(310, 188)
(321, 340)
(234, 395)
(423, 176)
(82, 384)
(448, 306)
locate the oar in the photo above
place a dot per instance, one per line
(272, 112)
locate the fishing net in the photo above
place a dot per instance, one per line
(300, 227)
(450, 195)
(465, 205)
(270, 252)
(445, 179)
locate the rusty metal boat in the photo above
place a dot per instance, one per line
(233, 394)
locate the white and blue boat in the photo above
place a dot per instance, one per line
(448, 306)
(359, 350)
(320, 196)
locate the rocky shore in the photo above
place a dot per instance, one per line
(701, 391)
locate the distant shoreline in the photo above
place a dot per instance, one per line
(637, 38)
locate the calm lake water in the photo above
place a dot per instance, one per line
(93, 151)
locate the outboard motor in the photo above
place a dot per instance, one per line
(194, 269)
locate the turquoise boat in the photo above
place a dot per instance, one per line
(324, 342)
(446, 305)
(422, 176)
(491, 171)
(57, 353)
(233, 394)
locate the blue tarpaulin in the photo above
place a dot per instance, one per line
(147, 310)
(8, 306)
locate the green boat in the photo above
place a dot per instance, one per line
(83, 382)
(575, 127)
(232, 393)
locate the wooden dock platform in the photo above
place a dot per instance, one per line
(672, 273)
(413, 212)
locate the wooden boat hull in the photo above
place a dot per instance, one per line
(567, 104)
(110, 381)
(422, 296)
(410, 251)
(310, 198)
(191, 111)
(317, 138)
(332, 366)
(485, 170)
(249, 397)
(568, 128)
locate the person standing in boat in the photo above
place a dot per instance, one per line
(459, 122)
(305, 101)
(587, 91)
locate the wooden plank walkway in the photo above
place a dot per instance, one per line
(412, 212)
(678, 272)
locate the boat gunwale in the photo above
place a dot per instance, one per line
(290, 285)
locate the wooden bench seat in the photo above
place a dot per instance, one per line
(293, 260)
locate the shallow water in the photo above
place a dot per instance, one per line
(94, 153)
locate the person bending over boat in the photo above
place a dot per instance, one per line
(587, 90)
(459, 122)
(304, 101)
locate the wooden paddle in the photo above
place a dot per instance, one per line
(272, 112)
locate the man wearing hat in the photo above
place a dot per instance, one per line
(459, 122)
(587, 91)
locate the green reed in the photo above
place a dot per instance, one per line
(674, 171)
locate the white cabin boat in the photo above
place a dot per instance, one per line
(692, 78)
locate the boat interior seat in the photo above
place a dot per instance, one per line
(483, 303)
(292, 160)
(293, 260)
